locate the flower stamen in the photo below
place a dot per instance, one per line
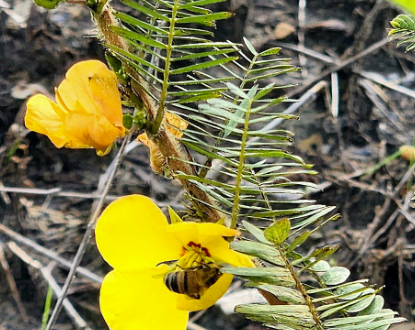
(194, 255)
(199, 248)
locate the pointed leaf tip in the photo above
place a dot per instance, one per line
(174, 217)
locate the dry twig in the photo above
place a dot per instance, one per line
(12, 285)
(48, 253)
(385, 209)
(79, 322)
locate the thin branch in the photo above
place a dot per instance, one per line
(404, 208)
(381, 81)
(12, 285)
(3, 195)
(58, 192)
(368, 75)
(48, 253)
(307, 51)
(339, 66)
(55, 192)
(379, 215)
(312, 309)
(72, 313)
(373, 95)
(45, 271)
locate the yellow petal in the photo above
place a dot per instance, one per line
(45, 117)
(94, 131)
(131, 234)
(75, 87)
(211, 295)
(94, 86)
(137, 301)
(203, 232)
(231, 257)
(208, 235)
(103, 84)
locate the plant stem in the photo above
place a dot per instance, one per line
(300, 287)
(164, 92)
(241, 165)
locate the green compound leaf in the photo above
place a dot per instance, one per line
(403, 30)
(320, 266)
(375, 307)
(335, 275)
(292, 296)
(349, 291)
(279, 316)
(403, 22)
(278, 232)
(361, 305)
(271, 275)
(259, 250)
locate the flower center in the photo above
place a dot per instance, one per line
(194, 255)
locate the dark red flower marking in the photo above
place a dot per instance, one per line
(198, 246)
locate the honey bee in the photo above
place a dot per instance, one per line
(194, 281)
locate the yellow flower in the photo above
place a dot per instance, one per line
(87, 112)
(134, 237)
